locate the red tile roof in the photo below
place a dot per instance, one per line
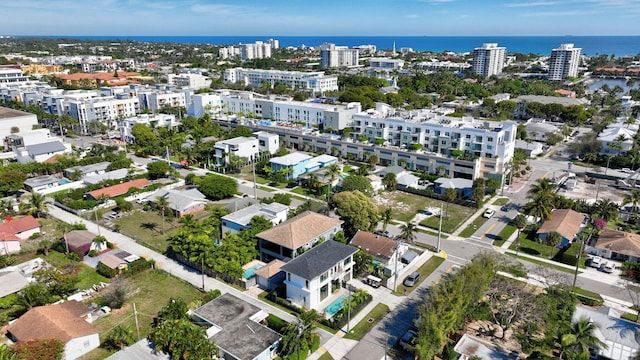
(565, 221)
(119, 189)
(375, 245)
(108, 76)
(620, 242)
(16, 226)
(5, 236)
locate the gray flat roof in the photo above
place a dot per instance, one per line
(11, 282)
(319, 259)
(89, 168)
(240, 336)
(243, 216)
(41, 180)
(46, 148)
(142, 350)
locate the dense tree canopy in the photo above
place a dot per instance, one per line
(217, 187)
(356, 210)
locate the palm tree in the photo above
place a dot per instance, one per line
(298, 332)
(539, 207)
(120, 336)
(38, 204)
(390, 181)
(333, 170)
(162, 203)
(187, 220)
(386, 217)
(64, 228)
(409, 231)
(520, 221)
(576, 344)
(542, 186)
(632, 198)
(552, 239)
(98, 242)
(450, 194)
(606, 209)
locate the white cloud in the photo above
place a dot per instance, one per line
(529, 4)
(559, 13)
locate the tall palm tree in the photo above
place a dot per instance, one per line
(552, 239)
(299, 332)
(606, 209)
(450, 194)
(38, 204)
(120, 336)
(162, 203)
(98, 242)
(390, 180)
(520, 221)
(542, 186)
(632, 198)
(539, 207)
(409, 231)
(576, 344)
(386, 217)
(64, 228)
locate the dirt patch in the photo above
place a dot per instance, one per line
(493, 333)
(389, 200)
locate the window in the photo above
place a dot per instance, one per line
(479, 138)
(288, 276)
(347, 261)
(489, 147)
(306, 284)
(443, 142)
(467, 144)
(490, 139)
(467, 136)
(323, 277)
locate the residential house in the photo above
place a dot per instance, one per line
(241, 219)
(41, 182)
(11, 282)
(296, 235)
(540, 129)
(384, 251)
(119, 189)
(20, 140)
(79, 241)
(472, 347)
(63, 321)
(524, 100)
(22, 227)
(319, 162)
(376, 182)
(617, 139)
(42, 152)
(567, 222)
(243, 147)
(464, 187)
(617, 334)
(241, 203)
(294, 163)
(86, 170)
(404, 178)
(181, 202)
(109, 175)
(531, 148)
(235, 327)
(617, 245)
(9, 243)
(267, 142)
(113, 262)
(311, 276)
(271, 275)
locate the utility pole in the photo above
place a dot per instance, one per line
(253, 168)
(395, 280)
(95, 211)
(135, 316)
(202, 271)
(349, 308)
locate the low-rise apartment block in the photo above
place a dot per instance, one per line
(315, 80)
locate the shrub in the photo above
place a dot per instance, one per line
(138, 266)
(73, 256)
(34, 236)
(211, 295)
(39, 349)
(93, 253)
(106, 271)
(523, 172)
(528, 168)
(115, 294)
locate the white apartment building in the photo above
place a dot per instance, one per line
(440, 135)
(338, 56)
(106, 110)
(257, 50)
(386, 64)
(12, 76)
(275, 108)
(150, 120)
(156, 100)
(449, 66)
(229, 52)
(564, 62)
(194, 81)
(11, 119)
(489, 59)
(241, 146)
(315, 80)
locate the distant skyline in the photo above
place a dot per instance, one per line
(329, 17)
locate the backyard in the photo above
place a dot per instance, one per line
(150, 290)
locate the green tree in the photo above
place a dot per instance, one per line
(605, 209)
(7, 353)
(10, 181)
(576, 343)
(409, 231)
(361, 260)
(333, 170)
(357, 183)
(298, 336)
(632, 198)
(99, 242)
(37, 204)
(356, 210)
(144, 136)
(119, 337)
(520, 221)
(218, 187)
(386, 217)
(450, 195)
(159, 169)
(35, 294)
(553, 239)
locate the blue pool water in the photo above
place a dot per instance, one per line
(251, 272)
(336, 305)
(63, 181)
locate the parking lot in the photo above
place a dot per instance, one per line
(602, 189)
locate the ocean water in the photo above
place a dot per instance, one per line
(591, 45)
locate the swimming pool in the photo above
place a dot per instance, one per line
(336, 305)
(63, 181)
(251, 272)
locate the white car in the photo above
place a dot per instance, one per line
(608, 267)
(489, 213)
(626, 170)
(595, 262)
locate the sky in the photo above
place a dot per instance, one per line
(327, 17)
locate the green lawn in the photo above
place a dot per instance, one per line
(326, 356)
(504, 235)
(535, 248)
(146, 228)
(473, 227)
(425, 270)
(150, 291)
(405, 206)
(266, 188)
(302, 191)
(368, 322)
(87, 276)
(457, 215)
(501, 201)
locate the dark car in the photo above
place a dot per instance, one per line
(505, 207)
(412, 279)
(408, 339)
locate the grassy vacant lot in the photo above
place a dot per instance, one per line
(365, 325)
(87, 276)
(146, 228)
(425, 270)
(457, 215)
(150, 291)
(535, 248)
(404, 205)
(473, 227)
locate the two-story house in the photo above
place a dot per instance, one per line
(296, 235)
(385, 252)
(311, 276)
(241, 219)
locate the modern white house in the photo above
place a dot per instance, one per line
(181, 202)
(42, 152)
(311, 276)
(20, 140)
(10, 120)
(87, 170)
(267, 142)
(241, 146)
(296, 236)
(241, 219)
(617, 139)
(64, 321)
(540, 129)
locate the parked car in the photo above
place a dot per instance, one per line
(412, 279)
(408, 339)
(626, 170)
(608, 267)
(595, 262)
(489, 213)
(373, 281)
(505, 207)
